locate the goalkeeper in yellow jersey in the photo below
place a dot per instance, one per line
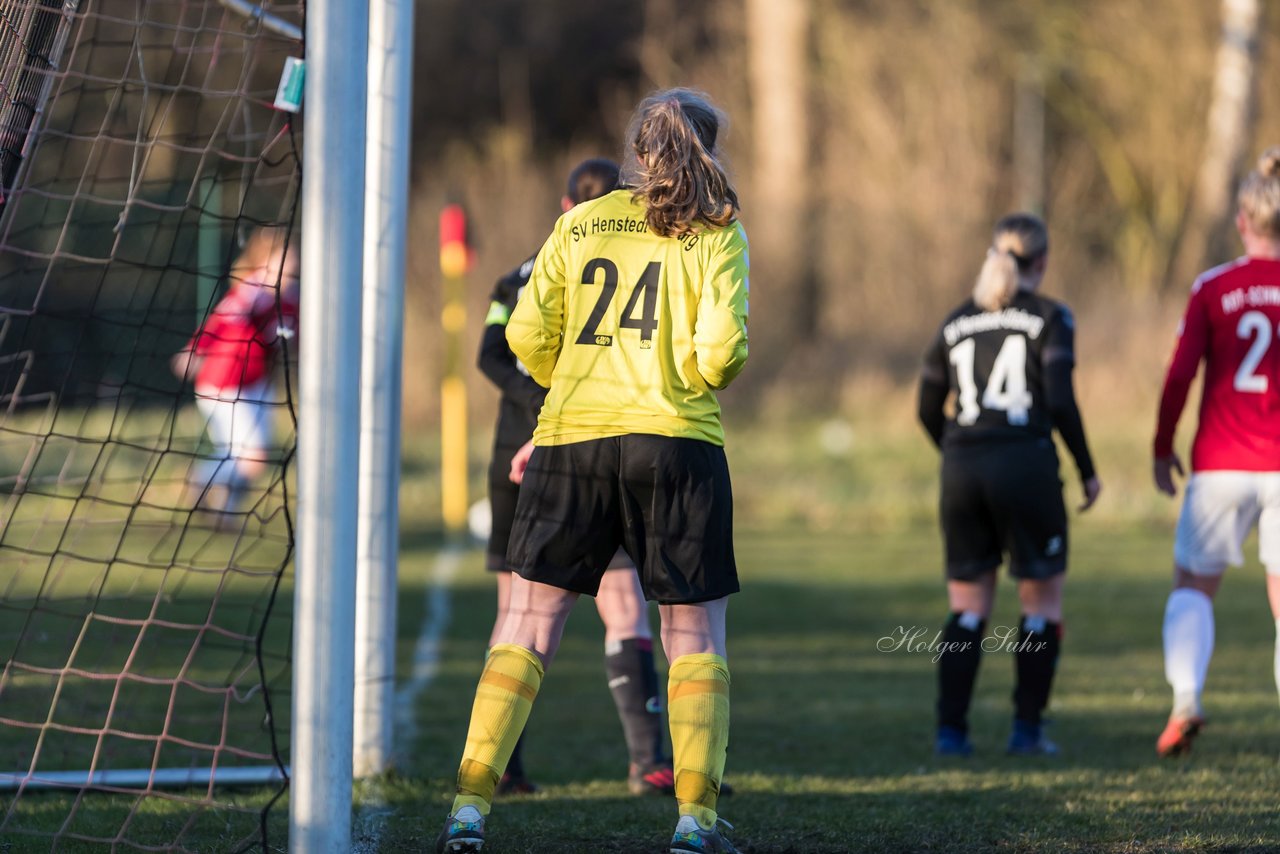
(635, 313)
(628, 642)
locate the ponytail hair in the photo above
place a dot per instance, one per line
(1259, 196)
(671, 163)
(1018, 242)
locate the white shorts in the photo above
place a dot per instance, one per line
(1218, 511)
(238, 420)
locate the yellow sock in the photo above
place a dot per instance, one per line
(510, 681)
(698, 711)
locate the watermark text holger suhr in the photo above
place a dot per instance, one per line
(920, 639)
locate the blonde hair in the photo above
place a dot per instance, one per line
(1018, 242)
(673, 165)
(1259, 196)
(263, 247)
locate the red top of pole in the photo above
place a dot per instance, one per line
(455, 255)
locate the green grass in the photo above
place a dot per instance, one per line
(831, 738)
(199, 622)
(101, 576)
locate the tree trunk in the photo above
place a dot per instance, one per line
(1205, 229)
(1028, 136)
(778, 60)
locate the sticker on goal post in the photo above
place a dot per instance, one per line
(289, 95)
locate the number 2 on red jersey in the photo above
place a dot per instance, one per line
(1256, 326)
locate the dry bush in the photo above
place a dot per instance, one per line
(911, 107)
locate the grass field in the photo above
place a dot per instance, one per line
(831, 740)
(104, 570)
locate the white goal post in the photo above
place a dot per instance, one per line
(386, 218)
(333, 187)
(344, 631)
(349, 423)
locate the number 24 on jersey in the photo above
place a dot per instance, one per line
(644, 296)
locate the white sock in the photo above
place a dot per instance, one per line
(1188, 646)
(468, 814)
(1277, 662)
(688, 824)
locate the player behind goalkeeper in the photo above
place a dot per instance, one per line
(1007, 353)
(1232, 319)
(634, 315)
(628, 642)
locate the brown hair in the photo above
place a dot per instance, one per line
(1018, 242)
(672, 163)
(1259, 196)
(591, 179)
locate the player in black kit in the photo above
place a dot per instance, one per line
(1007, 353)
(629, 664)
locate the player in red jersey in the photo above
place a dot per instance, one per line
(1231, 323)
(231, 359)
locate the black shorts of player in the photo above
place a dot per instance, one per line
(667, 501)
(1003, 497)
(503, 495)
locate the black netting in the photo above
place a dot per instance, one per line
(142, 624)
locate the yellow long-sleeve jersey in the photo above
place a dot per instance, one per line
(632, 332)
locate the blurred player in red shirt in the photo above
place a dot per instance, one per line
(1231, 323)
(231, 359)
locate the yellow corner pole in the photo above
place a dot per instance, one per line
(455, 260)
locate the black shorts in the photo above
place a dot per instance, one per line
(503, 495)
(667, 501)
(1003, 497)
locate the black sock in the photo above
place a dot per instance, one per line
(515, 765)
(958, 669)
(1036, 660)
(634, 684)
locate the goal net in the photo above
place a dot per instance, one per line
(145, 527)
